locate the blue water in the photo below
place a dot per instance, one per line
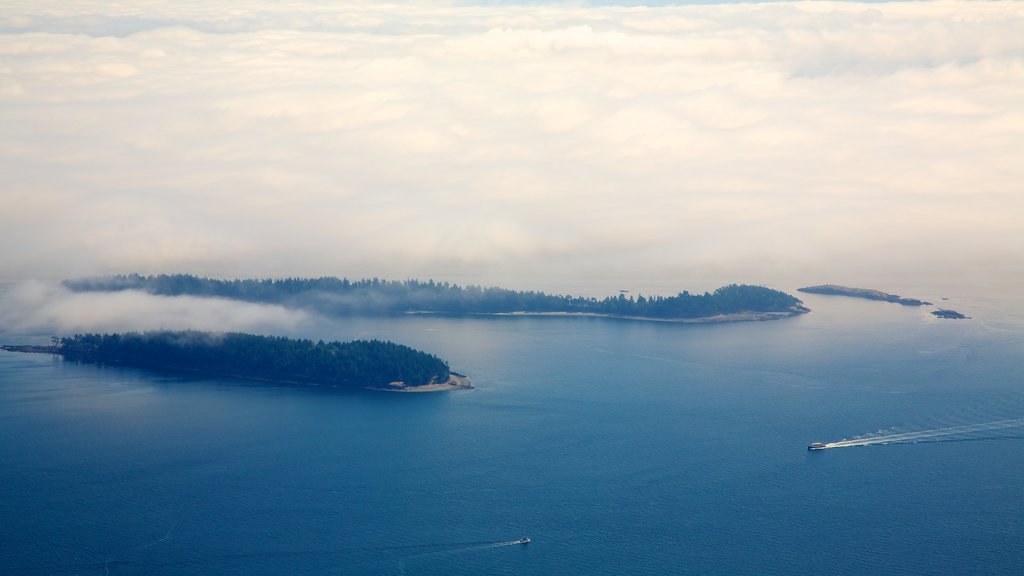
(619, 447)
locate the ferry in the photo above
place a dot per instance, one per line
(816, 446)
(524, 540)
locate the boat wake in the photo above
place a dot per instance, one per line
(456, 548)
(934, 435)
(404, 553)
(506, 543)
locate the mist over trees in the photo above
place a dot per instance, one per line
(340, 296)
(360, 363)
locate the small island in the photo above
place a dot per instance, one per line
(340, 297)
(949, 314)
(366, 364)
(866, 293)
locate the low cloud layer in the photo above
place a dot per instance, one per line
(542, 146)
(36, 307)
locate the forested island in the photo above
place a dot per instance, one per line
(866, 293)
(340, 296)
(372, 364)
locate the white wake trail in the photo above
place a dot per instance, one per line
(506, 543)
(463, 548)
(928, 434)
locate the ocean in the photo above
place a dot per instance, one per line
(618, 447)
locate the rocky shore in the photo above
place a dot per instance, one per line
(455, 381)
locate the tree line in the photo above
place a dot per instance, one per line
(360, 363)
(340, 296)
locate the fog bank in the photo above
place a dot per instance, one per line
(564, 148)
(37, 307)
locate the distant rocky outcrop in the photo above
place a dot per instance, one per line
(866, 293)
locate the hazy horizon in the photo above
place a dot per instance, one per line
(564, 148)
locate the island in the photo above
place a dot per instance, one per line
(866, 293)
(363, 364)
(339, 297)
(949, 314)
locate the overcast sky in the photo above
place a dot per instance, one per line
(559, 147)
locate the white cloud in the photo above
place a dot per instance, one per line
(491, 144)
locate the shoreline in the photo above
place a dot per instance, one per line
(716, 319)
(455, 381)
(31, 348)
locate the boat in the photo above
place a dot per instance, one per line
(524, 540)
(816, 446)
